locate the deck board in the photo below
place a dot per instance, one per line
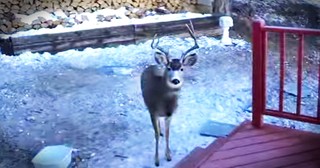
(258, 148)
(255, 140)
(291, 160)
(270, 146)
(308, 164)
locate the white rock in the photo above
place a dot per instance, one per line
(60, 13)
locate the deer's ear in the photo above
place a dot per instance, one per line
(161, 58)
(190, 60)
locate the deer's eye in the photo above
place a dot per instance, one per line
(169, 69)
(181, 69)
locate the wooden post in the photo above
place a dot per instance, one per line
(258, 73)
(6, 46)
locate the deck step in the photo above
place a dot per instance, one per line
(192, 158)
(199, 155)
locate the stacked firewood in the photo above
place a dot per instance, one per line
(31, 6)
(9, 23)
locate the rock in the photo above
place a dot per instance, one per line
(84, 18)
(162, 10)
(42, 19)
(37, 21)
(77, 21)
(67, 24)
(109, 18)
(29, 18)
(127, 13)
(44, 25)
(100, 18)
(30, 118)
(60, 13)
(28, 26)
(49, 22)
(150, 13)
(141, 13)
(56, 22)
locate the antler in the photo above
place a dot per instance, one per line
(191, 32)
(156, 45)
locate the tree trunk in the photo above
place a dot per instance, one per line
(221, 7)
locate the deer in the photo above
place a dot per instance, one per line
(160, 85)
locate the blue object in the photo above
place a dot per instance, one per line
(216, 129)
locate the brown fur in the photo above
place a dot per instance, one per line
(158, 97)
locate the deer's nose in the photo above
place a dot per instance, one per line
(175, 81)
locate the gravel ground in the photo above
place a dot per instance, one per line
(91, 100)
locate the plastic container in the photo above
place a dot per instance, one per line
(58, 156)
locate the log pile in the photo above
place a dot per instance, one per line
(9, 23)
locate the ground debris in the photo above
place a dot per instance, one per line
(30, 119)
(121, 156)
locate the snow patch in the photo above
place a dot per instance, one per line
(93, 24)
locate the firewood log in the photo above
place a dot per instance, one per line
(3, 29)
(56, 6)
(74, 4)
(80, 9)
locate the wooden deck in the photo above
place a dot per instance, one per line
(268, 147)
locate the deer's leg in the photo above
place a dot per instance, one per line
(155, 123)
(161, 134)
(168, 152)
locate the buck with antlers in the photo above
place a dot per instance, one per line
(160, 85)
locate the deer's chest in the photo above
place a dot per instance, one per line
(168, 105)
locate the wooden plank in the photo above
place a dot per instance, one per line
(254, 133)
(74, 40)
(307, 159)
(255, 140)
(256, 148)
(249, 131)
(258, 157)
(238, 140)
(143, 31)
(308, 164)
(103, 37)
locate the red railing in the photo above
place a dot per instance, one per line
(259, 51)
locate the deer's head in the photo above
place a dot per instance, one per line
(174, 68)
